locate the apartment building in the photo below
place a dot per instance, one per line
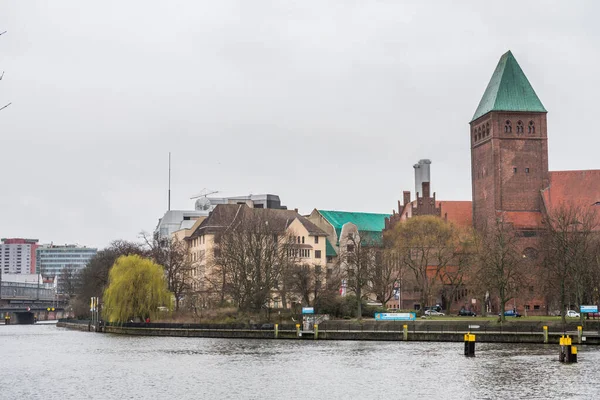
(309, 246)
(18, 256)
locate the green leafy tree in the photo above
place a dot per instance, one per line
(137, 287)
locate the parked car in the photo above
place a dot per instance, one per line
(511, 313)
(466, 313)
(434, 313)
(437, 308)
(572, 314)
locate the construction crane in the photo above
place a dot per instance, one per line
(204, 192)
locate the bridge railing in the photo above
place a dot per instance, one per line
(25, 291)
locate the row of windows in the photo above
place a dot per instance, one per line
(519, 127)
(483, 131)
(516, 170)
(300, 239)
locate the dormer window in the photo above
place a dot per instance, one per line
(507, 127)
(519, 126)
(531, 128)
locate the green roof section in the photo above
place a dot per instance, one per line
(329, 250)
(365, 222)
(508, 90)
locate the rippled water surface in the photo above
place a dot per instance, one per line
(45, 362)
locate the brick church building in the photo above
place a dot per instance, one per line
(509, 171)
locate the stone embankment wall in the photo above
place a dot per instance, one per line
(440, 331)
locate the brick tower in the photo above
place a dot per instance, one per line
(509, 148)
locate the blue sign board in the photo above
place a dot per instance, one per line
(308, 310)
(406, 316)
(588, 309)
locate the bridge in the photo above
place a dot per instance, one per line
(24, 303)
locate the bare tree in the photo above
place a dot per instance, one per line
(308, 282)
(385, 273)
(250, 256)
(569, 250)
(455, 277)
(426, 246)
(500, 262)
(357, 261)
(68, 281)
(172, 254)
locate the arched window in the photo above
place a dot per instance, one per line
(519, 126)
(530, 253)
(479, 133)
(531, 127)
(474, 135)
(487, 129)
(507, 127)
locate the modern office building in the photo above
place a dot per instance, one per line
(18, 256)
(51, 259)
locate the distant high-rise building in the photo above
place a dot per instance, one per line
(18, 256)
(52, 260)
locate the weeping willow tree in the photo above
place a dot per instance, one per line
(136, 288)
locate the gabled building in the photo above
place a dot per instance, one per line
(309, 246)
(338, 223)
(509, 168)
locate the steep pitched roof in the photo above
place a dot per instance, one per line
(224, 215)
(578, 188)
(365, 222)
(329, 249)
(459, 213)
(508, 90)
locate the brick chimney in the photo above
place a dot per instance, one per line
(406, 197)
(426, 193)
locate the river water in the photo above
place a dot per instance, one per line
(46, 362)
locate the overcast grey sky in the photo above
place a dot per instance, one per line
(325, 103)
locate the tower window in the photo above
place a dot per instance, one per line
(515, 170)
(531, 127)
(487, 129)
(526, 170)
(519, 126)
(507, 127)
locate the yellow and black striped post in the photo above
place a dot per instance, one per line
(469, 345)
(545, 334)
(7, 319)
(568, 352)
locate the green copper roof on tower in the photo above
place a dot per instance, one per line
(508, 90)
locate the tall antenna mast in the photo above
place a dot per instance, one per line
(169, 181)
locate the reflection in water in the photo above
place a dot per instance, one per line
(51, 363)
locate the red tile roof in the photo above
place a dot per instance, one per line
(577, 188)
(458, 212)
